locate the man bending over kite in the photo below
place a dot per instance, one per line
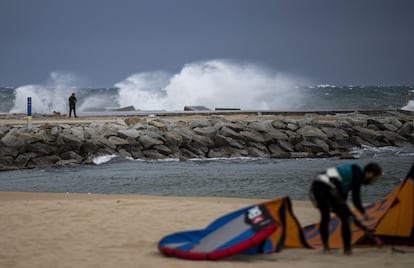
(329, 192)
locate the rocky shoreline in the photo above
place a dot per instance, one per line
(57, 144)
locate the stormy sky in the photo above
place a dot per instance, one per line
(337, 42)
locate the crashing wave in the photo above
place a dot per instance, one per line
(375, 152)
(103, 159)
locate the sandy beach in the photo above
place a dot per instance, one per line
(88, 230)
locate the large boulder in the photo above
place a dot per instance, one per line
(78, 132)
(309, 132)
(10, 151)
(217, 153)
(389, 127)
(88, 132)
(205, 131)
(239, 153)
(172, 138)
(335, 133)
(255, 152)
(277, 152)
(55, 131)
(259, 146)
(3, 130)
(262, 126)
(361, 122)
(294, 137)
(185, 133)
(41, 134)
(184, 153)
(120, 123)
(153, 154)
(123, 153)
(345, 145)
(278, 124)
(107, 131)
(201, 123)
(68, 142)
(278, 135)
(130, 121)
(43, 161)
(229, 132)
(238, 144)
(358, 141)
(148, 141)
(253, 136)
(221, 141)
(89, 147)
(117, 141)
(104, 142)
(22, 159)
(7, 163)
(237, 125)
(162, 149)
(160, 124)
(392, 136)
(128, 133)
(403, 143)
(41, 148)
(197, 149)
(17, 138)
(406, 129)
(71, 155)
(285, 145)
(134, 148)
(342, 123)
(322, 144)
(367, 134)
(313, 147)
(385, 123)
(202, 141)
(293, 126)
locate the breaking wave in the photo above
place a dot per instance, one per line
(215, 83)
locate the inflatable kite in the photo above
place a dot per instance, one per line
(271, 226)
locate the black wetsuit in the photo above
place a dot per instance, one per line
(330, 196)
(72, 105)
(411, 173)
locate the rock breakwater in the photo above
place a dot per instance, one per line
(57, 144)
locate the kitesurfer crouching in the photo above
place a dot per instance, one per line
(329, 192)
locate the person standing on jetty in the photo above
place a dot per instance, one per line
(329, 192)
(72, 105)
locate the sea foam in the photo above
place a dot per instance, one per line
(214, 83)
(103, 159)
(52, 96)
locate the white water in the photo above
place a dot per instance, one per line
(409, 106)
(103, 159)
(214, 83)
(375, 152)
(45, 98)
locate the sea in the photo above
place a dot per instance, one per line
(234, 87)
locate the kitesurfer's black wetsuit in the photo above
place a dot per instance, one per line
(329, 192)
